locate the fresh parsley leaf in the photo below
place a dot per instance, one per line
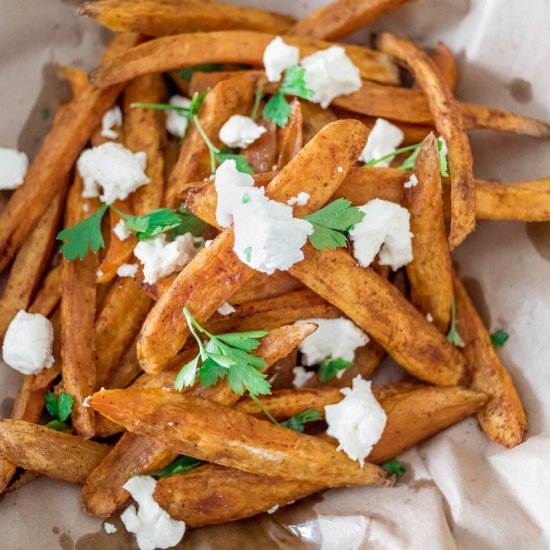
(323, 237)
(242, 377)
(57, 425)
(86, 234)
(441, 151)
(395, 467)
(180, 465)
(152, 223)
(298, 421)
(409, 162)
(189, 224)
(240, 160)
(245, 341)
(187, 73)
(499, 338)
(294, 83)
(329, 369)
(60, 408)
(453, 336)
(277, 110)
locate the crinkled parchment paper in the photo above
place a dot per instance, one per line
(460, 491)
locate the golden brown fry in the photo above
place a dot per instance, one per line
(446, 63)
(127, 369)
(164, 332)
(315, 118)
(430, 271)
(46, 376)
(77, 78)
(262, 287)
(262, 154)
(243, 47)
(154, 18)
(291, 137)
(503, 418)
(49, 294)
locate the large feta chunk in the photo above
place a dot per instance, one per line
(28, 343)
(112, 118)
(385, 230)
(278, 57)
(114, 168)
(13, 167)
(176, 122)
(384, 139)
(240, 131)
(357, 422)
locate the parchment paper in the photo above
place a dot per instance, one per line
(460, 491)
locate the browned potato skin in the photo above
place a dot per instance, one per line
(291, 137)
(154, 18)
(49, 294)
(446, 63)
(263, 286)
(430, 272)
(262, 154)
(52, 453)
(127, 369)
(76, 78)
(503, 418)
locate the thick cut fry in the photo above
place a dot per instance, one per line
(430, 271)
(503, 418)
(49, 294)
(228, 437)
(243, 47)
(291, 137)
(55, 159)
(450, 124)
(263, 286)
(262, 154)
(446, 63)
(341, 17)
(77, 78)
(154, 18)
(127, 369)
(164, 331)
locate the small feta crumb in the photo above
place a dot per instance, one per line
(300, 200)
(85, 207)
(226, 309)
(13, 168)
(443, 144)
(169, 423)
(384, 138)
(176, 122)
(127, 270)
(86, 402)
(99, 274)
(161, 258)
(279, 56)
(357, 422)
(429, 318)
(120, 230)
(28, 343)
(167, 388)
(330, 73)
(340, 170)
(114, 168)
(109, 528)
(240, 131)
(385, 230)
(413, 182)
(333, 339)
(301, 376)
(208, 243)
(112, 118)
(273, 509)
(151, 525)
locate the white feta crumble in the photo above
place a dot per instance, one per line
(429, 318)
(240, 131)
(226, 309)
(330, 73)
(208, 243)
(109, 528)
(385, 230)
(279, 56)
(161, 258)
(86, 402)
(301, 376)
(273, 509)
(443, 145)
(340, 170)
(176, 122)
(384, 138)
(28, 343)
(85, 207)
(151, 525)
(127, 270)
(13, 168)
(357, 422)
(99, 274)
(333, 339)
(112, 118)
(412, 182)
(114, 168)
(120, 230)
(300, 200)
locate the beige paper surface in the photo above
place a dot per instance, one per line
(460, 491)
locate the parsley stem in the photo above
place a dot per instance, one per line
(374, 162)
(263, 409)
(258, 96)
(161, 107)
(191, 325)
(211, 147)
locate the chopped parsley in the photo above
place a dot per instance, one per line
(187, 73)
(298, 421)
(60, 408)
(258, 96)
(453, 336)
(393, 466)
(499, 338)
(150, 224)
(248, 253)
(180, 465)
(329, 369)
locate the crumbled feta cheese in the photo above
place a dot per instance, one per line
(429, 318)
(240, 131)
(330, 73)
(412, 182)
(340, 170)
(273, 509)
(226, 309)
(28, 343)
(13, 167)
(99, 274)
(443, 143)
(151, 525)
(109, 528)
(86, 402)
(385, 230)
(300, 200)
(384, 138)
(333, 339)
(169, 423)
(127, 270)
(85, 207)
(176, 122)
(113, 117)
(161, 258)
(301, 376)
(357, 422)
(113, 167)
(208, 243)
(120, 230)
(278, 57)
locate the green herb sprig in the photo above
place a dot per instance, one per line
(499, 338)
(453, 336)
(187, 73)
(329, 369)
(60, 408)
(298, 421)
(180, 465)
(395, 467)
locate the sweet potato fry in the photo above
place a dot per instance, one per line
(127, 369)
(49, 294)
(341, 17)
(77, 78)
(164, 332)
(262, 287)
(243, 47)
(55, 159)
(430, 272)
(446, 63)
(450, 124)
(154, 18)
(262, 154)
(291, 137)
(315, 118)
(503, 418)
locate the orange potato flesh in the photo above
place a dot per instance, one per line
(263, 286)
(77, 78)
(262, 153)
(446, 63)
(49, 294)
(291, 136)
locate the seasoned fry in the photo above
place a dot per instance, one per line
(450, 124)
(262, 154)
(127, 369)
(49, 294)
(77, 78)
(155, 18)
(262, 287)
(503, 418)
(243, 47)
(446, 63)
(430, 272)
(291, 137)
